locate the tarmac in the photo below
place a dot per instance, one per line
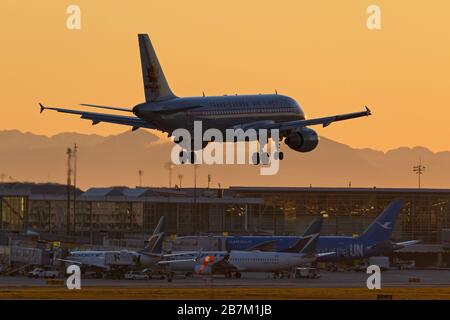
(390, 278)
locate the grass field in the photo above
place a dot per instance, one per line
(222, 293)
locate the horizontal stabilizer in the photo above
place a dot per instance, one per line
(400, 245)
(95, 117)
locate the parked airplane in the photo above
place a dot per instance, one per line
(164, 111)
(119, 260)
(236, 261)
(375, 240)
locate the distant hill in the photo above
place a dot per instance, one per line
(116, 159)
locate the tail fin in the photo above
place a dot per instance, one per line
(312, 231)
(314, 227)
(155, 84)
(155, 242)
(382, 227)
(307, 243)
(310, 244)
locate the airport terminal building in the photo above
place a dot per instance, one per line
(121, 212)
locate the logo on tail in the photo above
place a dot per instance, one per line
(155, 84)
(382, 227)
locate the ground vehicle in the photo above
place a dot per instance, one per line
(151, 273)
(136, 275)
(405, 264)
(42, 273)
(380, 261)
(360, 267)
(310, 273)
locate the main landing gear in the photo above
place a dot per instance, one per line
(230, 275)
(264, 157)
(187, 156)
(190, 155)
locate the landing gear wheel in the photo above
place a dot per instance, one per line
(256, 158)
(192, 158)
(265, 158)
(278, 155)
(237, 275)
(183, 156)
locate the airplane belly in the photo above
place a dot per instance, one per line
(186, 266)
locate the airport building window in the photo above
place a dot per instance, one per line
(252, 211)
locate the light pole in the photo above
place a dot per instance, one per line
(169, 166)
(75, 149)
(419, 170)
(196, 217)
(180, 179)
(69, 183)
(140, 173)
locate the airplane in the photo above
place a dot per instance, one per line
(234, 262)
(166, 112)
(119, 260)
(374, 241)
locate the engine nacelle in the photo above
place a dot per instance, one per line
(302, 140)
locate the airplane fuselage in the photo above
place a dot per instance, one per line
(245, 261)
(220, 112)
(103, 259)
(345, 248)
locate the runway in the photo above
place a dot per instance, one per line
(391, 278)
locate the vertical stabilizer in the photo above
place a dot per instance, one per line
(382, 227)
(156, 87)
(155, 242)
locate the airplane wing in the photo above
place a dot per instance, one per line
(291, 125)
(96, 118)
(389, 246)
(324, 254)
(70, 261)
(193, 254)
(182, 253)
(168, 262)
(83, 264)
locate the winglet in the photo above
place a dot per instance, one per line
(42, 107)
(368, 111)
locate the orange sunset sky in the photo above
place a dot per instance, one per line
(319, 52)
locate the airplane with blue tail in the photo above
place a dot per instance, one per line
(374, 241)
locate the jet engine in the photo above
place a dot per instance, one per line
(302, 140)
